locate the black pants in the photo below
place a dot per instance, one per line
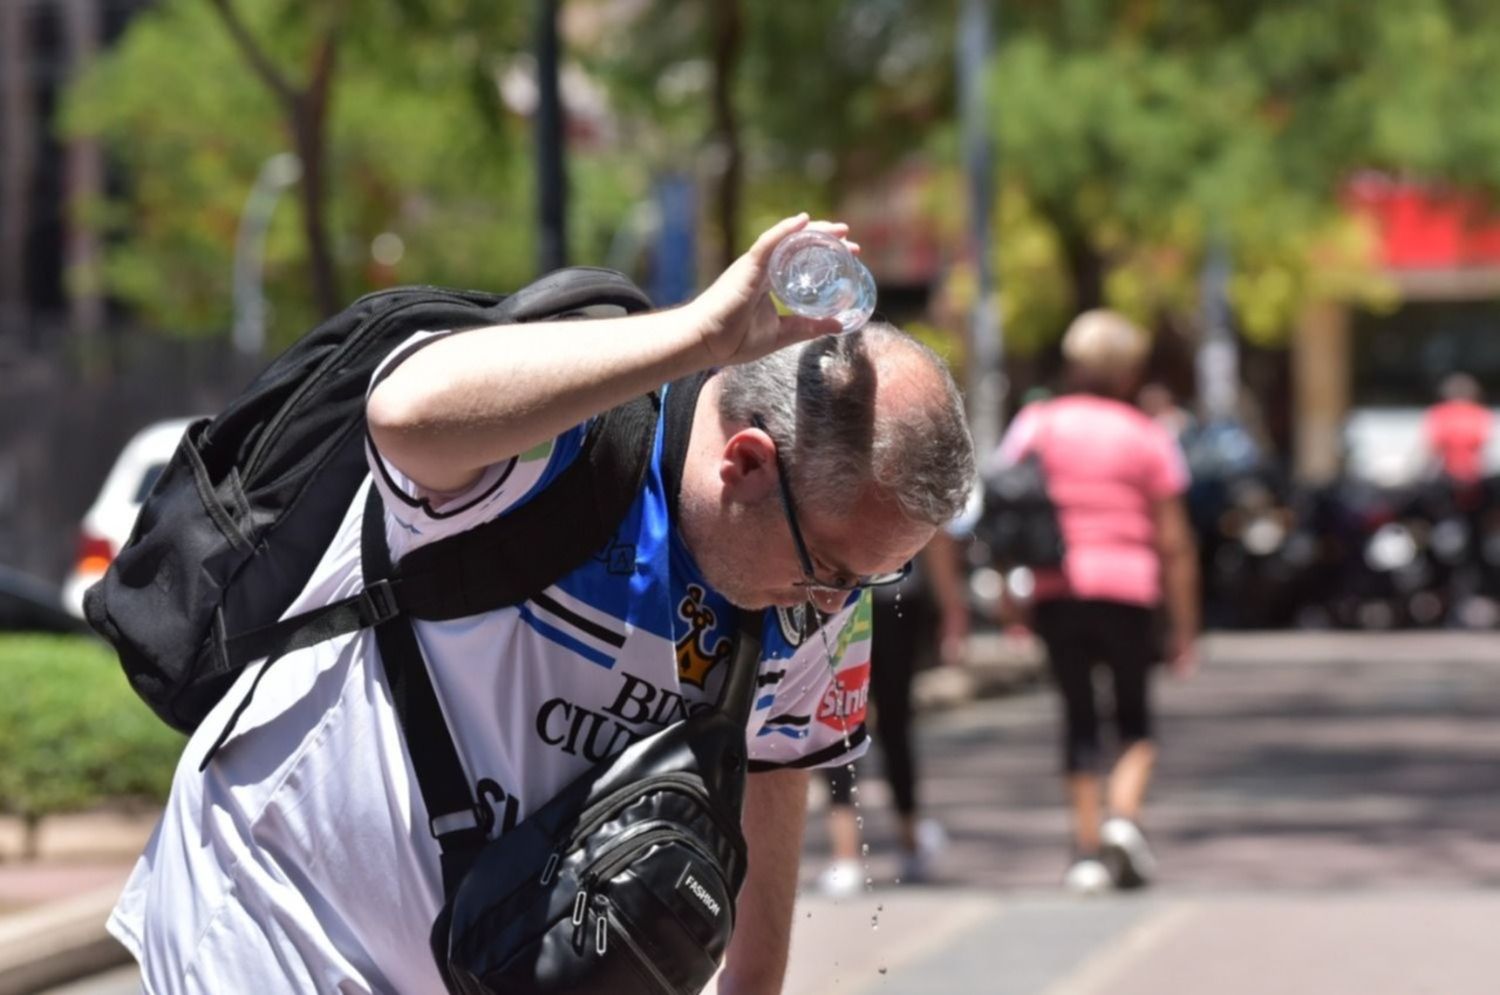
(1080, 634)
(905, 634)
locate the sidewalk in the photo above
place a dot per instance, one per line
(52, 909)
(1326, 811)
(1168, 943)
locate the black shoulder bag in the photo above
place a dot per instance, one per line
(1019, 524)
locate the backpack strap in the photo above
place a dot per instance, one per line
(456, 820)
(538, 543)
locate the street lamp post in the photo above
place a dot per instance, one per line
(276, 174)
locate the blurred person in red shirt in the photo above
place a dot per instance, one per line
(1457, 429)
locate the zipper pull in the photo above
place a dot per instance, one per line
(551, 867)
(580, 903)
(601, 939)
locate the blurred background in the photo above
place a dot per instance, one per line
(1295, 199)
(1298, 200)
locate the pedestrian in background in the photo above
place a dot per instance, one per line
(924, 616)
(1457, 430)
(1116, 478)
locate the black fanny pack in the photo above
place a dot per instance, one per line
(625, 882)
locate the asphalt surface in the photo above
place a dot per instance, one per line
(1326, 814)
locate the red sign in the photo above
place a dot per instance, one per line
(843, 705)
(1425, 226)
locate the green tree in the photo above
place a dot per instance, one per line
(1139, 133)
(419, 145)
(785, 106)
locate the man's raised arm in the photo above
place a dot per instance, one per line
(472, 400)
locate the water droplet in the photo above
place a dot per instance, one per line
(880, 908)
(859, 821)
(869, 882)
(897, 881)
(883, 970)
(864, 849)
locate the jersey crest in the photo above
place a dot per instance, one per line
(697, 651)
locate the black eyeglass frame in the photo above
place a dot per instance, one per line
(789, 507)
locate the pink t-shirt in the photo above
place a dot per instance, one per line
(1106, 464)
(1458, 432)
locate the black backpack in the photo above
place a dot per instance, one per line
(247, 505)
(1019, 523)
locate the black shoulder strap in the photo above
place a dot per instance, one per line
(538, 543)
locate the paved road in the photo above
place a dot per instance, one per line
(1327, 814)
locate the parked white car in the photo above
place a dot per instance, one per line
(107, 524)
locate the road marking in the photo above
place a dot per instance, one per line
(1096, 973)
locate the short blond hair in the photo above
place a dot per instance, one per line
(1105, 344)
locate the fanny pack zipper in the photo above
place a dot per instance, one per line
(605, 808)
(617, 857)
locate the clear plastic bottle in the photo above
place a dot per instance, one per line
(814, 274)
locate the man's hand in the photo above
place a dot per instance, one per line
(735, 315)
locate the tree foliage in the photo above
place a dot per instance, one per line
(1136, 135)
(72, 734)
(420, 145)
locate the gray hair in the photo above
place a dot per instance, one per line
(818, 402)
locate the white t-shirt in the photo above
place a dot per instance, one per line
(301, 859)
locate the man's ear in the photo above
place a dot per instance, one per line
(747, 468)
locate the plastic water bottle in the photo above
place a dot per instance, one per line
(815, 275)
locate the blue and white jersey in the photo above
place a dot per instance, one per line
(302, 855)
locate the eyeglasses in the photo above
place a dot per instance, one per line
(841, 581)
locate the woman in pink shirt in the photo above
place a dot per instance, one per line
(1116, 479)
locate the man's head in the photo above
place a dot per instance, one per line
(1460, 387)
(870, 431)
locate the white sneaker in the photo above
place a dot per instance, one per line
(932, 839)
(1087, 876)
(1124, 848)
(840, 879)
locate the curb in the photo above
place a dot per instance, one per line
(58, 942)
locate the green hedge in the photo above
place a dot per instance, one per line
(72, 733)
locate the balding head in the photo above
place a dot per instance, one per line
(871, 410)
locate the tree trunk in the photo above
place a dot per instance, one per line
(310, 127)
(85, 184)
(31, 836)
(728, 39)
(312, 194)
(1085, 269)
(306, 116)
(17, 119)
